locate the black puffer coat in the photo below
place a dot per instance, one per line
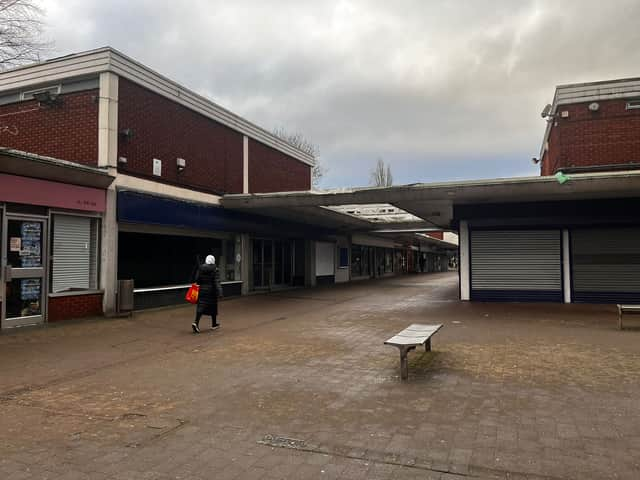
(209, 280)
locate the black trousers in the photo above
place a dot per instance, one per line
(214, 320)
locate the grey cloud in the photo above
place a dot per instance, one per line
(442, 89)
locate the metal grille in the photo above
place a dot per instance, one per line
(74, 258)
(606, 264)
(516, 261)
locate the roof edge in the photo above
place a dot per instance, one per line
(109, 59)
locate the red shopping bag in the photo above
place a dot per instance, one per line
(192, 293)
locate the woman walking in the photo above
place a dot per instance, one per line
(208, 278)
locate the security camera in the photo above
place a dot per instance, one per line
(546, 111)
(535, 160)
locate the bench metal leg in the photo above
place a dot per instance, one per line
(404, 362)
(404, 365)
(427, 345)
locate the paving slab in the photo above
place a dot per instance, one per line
(299, 384)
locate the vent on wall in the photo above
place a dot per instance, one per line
(30, 94)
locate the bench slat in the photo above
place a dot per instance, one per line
(629, 308)
(415, 334)
(406, 341)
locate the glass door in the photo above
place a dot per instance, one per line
(24, 271)
(262, 272)
(257, 263)
(282, 263)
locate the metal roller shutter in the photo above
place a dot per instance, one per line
(72, 253)
(606, 265)
(516, 265)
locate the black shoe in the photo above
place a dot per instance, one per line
(194, 327)
(215, 327)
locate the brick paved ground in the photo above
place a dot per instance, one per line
(299, 385)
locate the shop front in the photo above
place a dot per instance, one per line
(49, 248)
(277, 263)
(162, 240)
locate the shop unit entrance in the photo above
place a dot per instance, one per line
(23, 274)
(272, 263)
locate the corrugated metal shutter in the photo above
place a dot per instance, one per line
(606, 264)
(72, 252)
(516, 265)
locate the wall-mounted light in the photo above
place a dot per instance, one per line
(181, 163)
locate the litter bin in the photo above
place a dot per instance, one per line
(125, 296)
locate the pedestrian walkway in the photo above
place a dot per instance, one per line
(299, 385)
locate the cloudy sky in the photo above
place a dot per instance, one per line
(441, 90)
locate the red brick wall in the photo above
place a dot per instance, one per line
(273, 171)
(68, 131)
(610, 136)
(65, 308)
(438, 235)
(166, 130)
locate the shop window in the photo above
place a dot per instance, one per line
(75, 253)
(155, 260)
(230, 262)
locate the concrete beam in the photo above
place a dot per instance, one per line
(511, 190)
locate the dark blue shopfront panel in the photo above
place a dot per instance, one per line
(134, 207)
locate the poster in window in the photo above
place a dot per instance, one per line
(31, 244)
(30, 289)
(15, 244)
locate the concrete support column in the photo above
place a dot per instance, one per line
(566, 266)
(108, 121)
(109, 254)
(245, 164)
(245, 252)
(108, 158)
(310, 263)
(465, 266)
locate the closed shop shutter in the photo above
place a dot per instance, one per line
(516, 265)
(73, 259)
(606, 265)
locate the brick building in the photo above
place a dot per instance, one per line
(169, 155)
(592, 127)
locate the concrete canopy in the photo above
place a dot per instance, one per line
(15, 162)
(433, 203)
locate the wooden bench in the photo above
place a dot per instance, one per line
(626, 309)
(411, 337)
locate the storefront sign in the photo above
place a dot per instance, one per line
(32, 191)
